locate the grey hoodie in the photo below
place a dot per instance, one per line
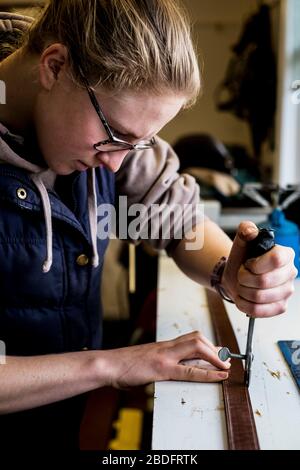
(44, 179)
(148, 177)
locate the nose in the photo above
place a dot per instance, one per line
(112, 160)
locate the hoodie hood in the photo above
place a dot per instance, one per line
(44, 179)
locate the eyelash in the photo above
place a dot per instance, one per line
(117, 134)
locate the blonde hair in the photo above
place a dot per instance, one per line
(122, 44)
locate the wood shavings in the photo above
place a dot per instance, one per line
(276, 374)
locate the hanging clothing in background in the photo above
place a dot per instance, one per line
(249, 87)
(12, 28)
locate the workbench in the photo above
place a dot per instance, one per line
(191, 415)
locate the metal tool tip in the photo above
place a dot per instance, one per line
(224, 354)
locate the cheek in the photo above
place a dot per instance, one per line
(51, 142)
(61, 133)
(49, 124)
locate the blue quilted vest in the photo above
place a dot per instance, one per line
(48, 313)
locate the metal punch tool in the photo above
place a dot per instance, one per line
(263, 243)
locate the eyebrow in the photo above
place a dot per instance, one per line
(124, 133)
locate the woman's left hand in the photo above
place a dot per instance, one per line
(261, 286)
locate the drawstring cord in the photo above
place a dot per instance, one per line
(37, 179)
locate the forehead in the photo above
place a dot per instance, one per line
(143, 113)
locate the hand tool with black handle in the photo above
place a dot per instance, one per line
(264, 242)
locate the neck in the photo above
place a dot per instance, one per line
(17, 72)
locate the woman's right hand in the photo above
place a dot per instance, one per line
(152, 362)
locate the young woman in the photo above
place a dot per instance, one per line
(89, 84)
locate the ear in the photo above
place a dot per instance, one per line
(53, 62)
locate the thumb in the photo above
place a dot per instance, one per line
(247, 231)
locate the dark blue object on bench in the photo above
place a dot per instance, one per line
(291, 353)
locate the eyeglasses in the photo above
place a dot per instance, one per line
(113, 143)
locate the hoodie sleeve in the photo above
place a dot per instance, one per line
(170, 201)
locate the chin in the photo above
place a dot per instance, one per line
(58, 163)
(62, 170)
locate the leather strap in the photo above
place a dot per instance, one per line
(240, 422)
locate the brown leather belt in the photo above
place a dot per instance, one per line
(240, 422)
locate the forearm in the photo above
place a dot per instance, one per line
(198, 264)
(260, 288)
(28, 382)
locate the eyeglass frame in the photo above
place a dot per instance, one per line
(112, 139)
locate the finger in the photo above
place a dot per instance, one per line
(277, 257)
(266, 296)
(261, 310)
(187, 336)
(195, 348)
(213, 358)
(209, 344)
(227, 360)
(198, 334)
(195, 374)
(268, 280)
(247, 231)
